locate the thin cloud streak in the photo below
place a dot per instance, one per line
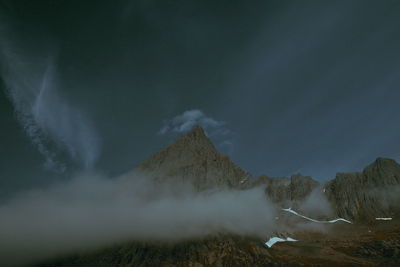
(52, 124)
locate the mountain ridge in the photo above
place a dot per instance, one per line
(193, 158)
(373, 192)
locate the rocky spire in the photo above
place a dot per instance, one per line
(193, 158)
(383, 171)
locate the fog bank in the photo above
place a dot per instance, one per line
(92, 211)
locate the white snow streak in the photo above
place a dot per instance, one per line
(313, 220)
(383, 219)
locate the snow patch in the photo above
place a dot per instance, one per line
(383, 219)
(274, 240)
(313, 220)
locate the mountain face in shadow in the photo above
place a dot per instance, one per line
(287, 192)
(359, 197)
(356, 196)
(374, 192)
(193, 159)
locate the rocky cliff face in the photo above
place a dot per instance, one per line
(194, 159)
(374, 192)
(288, 192)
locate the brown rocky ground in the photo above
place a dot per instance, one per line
(375, 244)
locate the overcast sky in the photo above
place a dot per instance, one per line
(280, 86)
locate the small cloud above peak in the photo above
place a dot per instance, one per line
(189, 119)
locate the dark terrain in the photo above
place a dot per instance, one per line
(343, 245)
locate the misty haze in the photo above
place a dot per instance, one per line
(199, 133)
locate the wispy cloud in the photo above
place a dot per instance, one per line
(185, 122)
(48, 119)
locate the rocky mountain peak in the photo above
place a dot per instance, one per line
(194, 140)
(193, 158)
(197, 132)
(383, 167)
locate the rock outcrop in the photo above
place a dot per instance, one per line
(194, 159)
(374, 192)
(213, 251)
(288, 192)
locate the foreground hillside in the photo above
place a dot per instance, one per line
(339, 245)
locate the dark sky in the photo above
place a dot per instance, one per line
(297, 86)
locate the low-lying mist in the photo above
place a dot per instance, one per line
(316, 204)
(92, 211)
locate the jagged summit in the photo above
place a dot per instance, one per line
(384, 160)
(195, 139)
(374, 192)
(384, 168)
(190, 147)
(197, 132)
(193, 158)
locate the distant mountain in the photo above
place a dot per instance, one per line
(194, 159)
(288, 192)
(374, 192)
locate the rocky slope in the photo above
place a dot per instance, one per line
(374, 192)
(342, 245)
(194, 159)
(288, 192)
(211, 251)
